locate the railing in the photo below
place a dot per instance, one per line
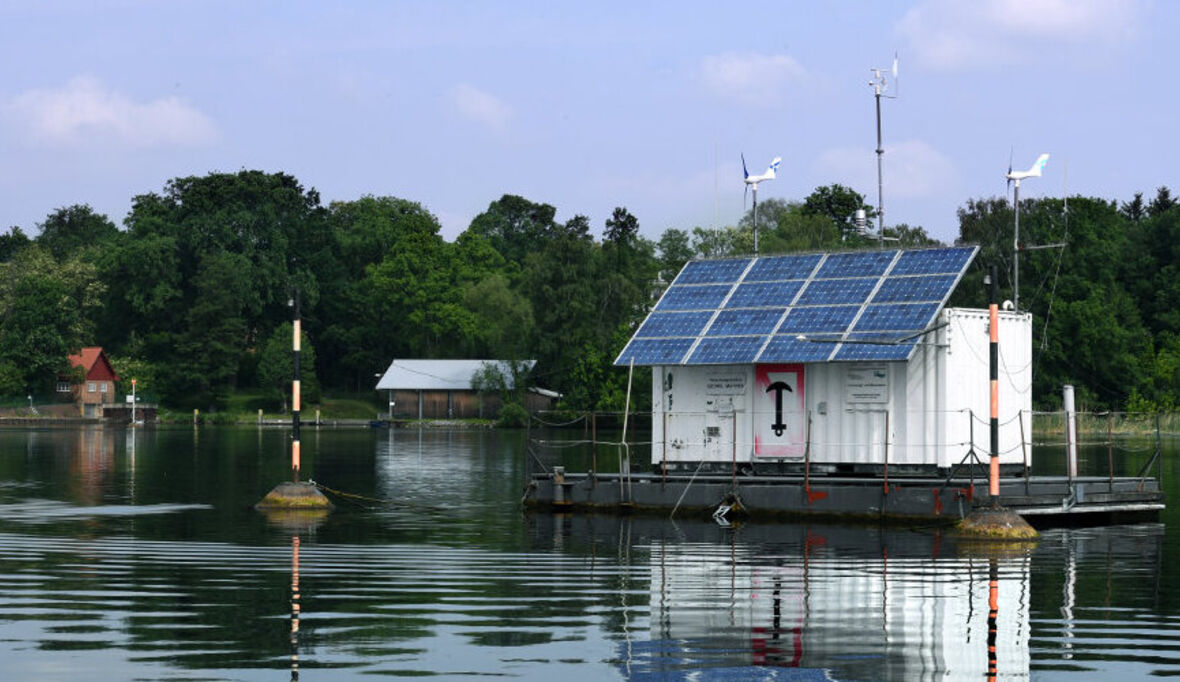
(1124, 439)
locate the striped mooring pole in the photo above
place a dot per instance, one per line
(295, 325)
(993, 521)
(993, 315)
(294, 496)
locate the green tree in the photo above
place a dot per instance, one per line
(675, 250)
(46, 314)
(205, 271)
(73, 229)
(515, 226)
(838, 204)
(276, 366)
(11, 243)
(503, 318)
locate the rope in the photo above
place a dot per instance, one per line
(575, 420)
(694, 477)
(356, 499)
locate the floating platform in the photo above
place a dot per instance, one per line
(1042, 500)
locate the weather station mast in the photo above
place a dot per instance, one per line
(880, 85)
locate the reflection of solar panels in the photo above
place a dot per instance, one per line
(868, 305)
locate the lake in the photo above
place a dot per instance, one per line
(136, 555)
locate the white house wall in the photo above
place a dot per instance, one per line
(928, 403)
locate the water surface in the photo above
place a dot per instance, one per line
(136, 555)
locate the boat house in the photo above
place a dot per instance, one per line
(446, 389)
(850, 361)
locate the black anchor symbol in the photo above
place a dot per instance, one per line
(778, 387)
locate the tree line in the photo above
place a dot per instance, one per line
(193, 296)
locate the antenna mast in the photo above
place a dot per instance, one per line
(1015, 178)
(880, 84)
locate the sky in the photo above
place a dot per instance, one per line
(586, 106)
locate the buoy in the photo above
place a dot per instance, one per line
(996, 523)
(291, 495)
(296, 520)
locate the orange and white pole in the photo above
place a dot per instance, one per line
(993, 480)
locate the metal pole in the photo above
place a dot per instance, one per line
(594, 445)
(880, 183)
(733, 432)
(755, 218)
(1023, 451)
(1071, 432)
(295, 454)
(133, 402)
(664, 449)
(993, 481)
(1016, 248)
(886, 446)
(807, 460)
(1110, 451)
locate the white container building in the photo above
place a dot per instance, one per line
(849, 361)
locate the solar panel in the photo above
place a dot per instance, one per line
(777, 268)
(710, 271)
(898, 317)
(874, 347)
(696, 297)
(857, 264)
(820, 319)
(789, 348)
(674, 324)
(950, 261)
(909, 288)
(739, 321)
(754, 294)
(837, 291)
(654, 351)
(867, 305)
(727, 350)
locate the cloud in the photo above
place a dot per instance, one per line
(949, 35)
(751, 78)
(480, 106)
(912, 170)
(84, 110)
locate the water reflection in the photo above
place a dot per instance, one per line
(843, 603)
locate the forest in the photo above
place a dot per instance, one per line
(193, 294)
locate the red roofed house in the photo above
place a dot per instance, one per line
(98, 386)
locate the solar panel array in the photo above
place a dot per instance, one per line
(868, 305)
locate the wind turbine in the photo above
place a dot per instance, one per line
(1014, 178)
(880, 84)
(752, 182)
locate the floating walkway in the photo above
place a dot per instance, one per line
(1043, 500)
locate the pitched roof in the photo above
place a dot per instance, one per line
(88, 357)
(449, 375)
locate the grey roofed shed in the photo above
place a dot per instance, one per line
(438, 375)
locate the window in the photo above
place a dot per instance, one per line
(63, 387)
(103, 387)
(90, 387)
